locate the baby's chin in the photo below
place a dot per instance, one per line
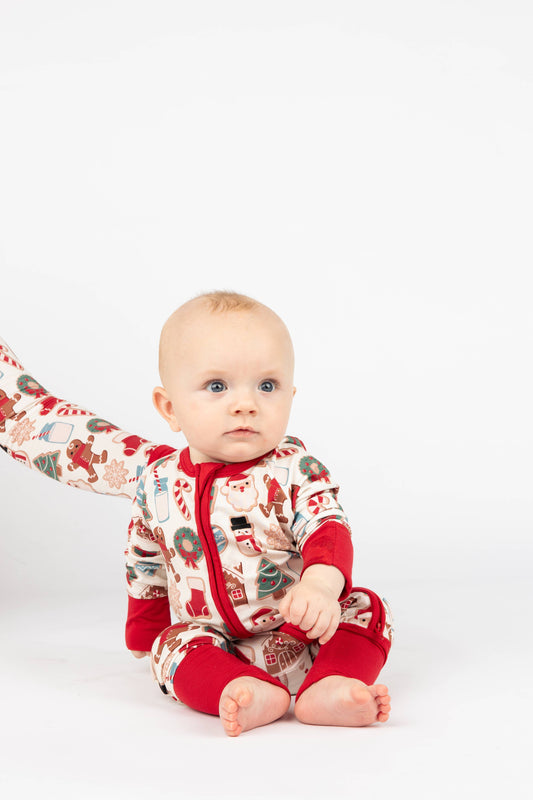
(235, 450)
(247, 446)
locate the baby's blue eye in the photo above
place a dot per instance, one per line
(267, 386)
(216, 387)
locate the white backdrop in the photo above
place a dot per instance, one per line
(366, 170)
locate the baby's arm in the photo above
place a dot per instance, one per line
(62, 440)
(323, 537)
(313, 603)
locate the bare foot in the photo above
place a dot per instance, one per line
(337, 700)
(248, 702)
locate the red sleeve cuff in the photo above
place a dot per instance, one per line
(146, 620)
(332, 545)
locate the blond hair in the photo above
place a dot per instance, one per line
(217, 302)
(223, 300)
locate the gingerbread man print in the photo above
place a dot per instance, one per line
(7, 409)
(275, 499)
(81, 455)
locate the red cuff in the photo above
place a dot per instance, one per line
(206, 670)
(160, 451)
(332, 545)
(146, 620)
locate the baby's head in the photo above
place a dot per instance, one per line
(226, 363)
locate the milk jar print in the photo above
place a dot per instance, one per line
(56, 432)
(161, 498)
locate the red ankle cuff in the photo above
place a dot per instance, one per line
(203, 674)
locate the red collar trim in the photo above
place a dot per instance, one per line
(222, 470)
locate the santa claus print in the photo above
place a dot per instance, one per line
(265, 618)
(240, 492)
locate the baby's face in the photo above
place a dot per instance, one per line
(228, 383)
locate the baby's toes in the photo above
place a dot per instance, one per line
(383, 707)
(228, 708)
(231, 727)
(381, 695)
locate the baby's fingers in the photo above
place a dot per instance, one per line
(285, 607)
(297, 612)
(332, 627)
(291, 609)
(321, 626)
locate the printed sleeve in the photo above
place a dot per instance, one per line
(320, 526)
(64, 441)
(148, 606)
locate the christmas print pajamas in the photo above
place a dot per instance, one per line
(219, 544)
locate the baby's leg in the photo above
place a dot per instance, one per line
(199, 672)
(340, 688)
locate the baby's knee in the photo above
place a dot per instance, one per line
(173, 645)
(365, 609)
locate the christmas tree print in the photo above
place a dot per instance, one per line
(48, 463)
(271, 580)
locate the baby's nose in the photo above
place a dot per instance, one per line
(244, 404)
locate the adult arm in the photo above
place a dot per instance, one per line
(65, 441)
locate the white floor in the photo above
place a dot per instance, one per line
(82, 719)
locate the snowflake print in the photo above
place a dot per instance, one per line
(22, 431)
(115, 474)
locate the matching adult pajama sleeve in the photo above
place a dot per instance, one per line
(64, 441)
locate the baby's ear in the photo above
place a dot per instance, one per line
(163, 405)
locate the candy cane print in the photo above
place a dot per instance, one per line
(179, 487)
(286, 451)
(318, 503)
(71, 410)
(6, 357)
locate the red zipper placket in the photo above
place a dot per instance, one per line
(206, 474)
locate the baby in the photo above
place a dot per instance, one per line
(240, 532)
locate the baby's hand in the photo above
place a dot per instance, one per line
(139, 653)
(312, 605)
